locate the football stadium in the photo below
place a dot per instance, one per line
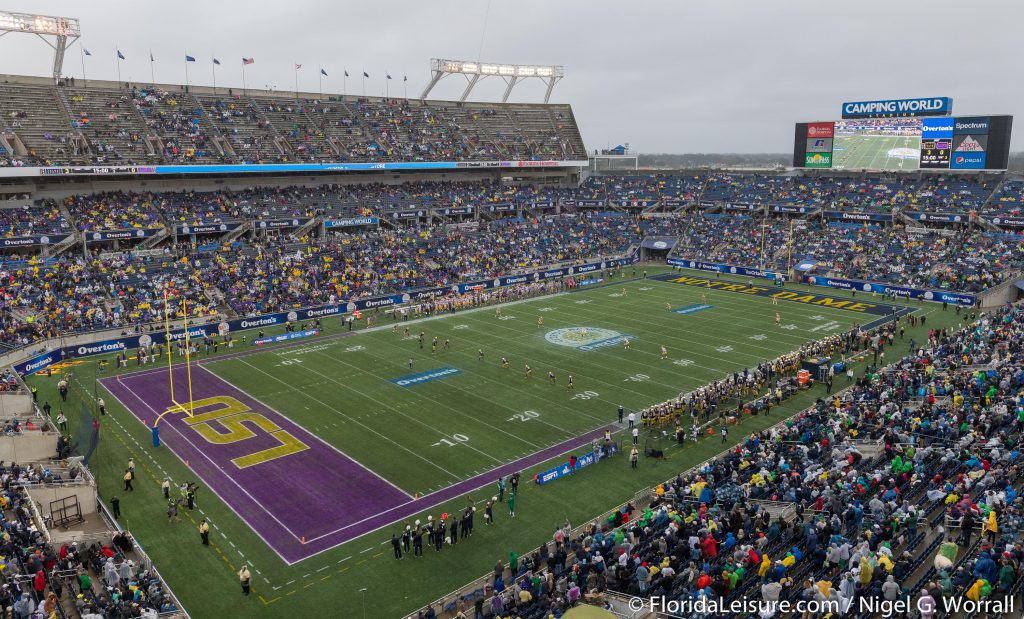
(403, 345)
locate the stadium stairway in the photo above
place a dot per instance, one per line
(238, 120)
(119, 128)
(38, 120)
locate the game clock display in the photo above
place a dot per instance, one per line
(935, 153)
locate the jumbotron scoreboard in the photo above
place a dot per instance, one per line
(904, 134)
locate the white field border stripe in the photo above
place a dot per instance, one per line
(223, 472)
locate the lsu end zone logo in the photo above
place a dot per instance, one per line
(585, 338)
(61, 366)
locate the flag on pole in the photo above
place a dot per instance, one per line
(248, 61)
(346, 73)
(405, 78)
(120, 56)
(215, 61)
(298, 66)
(87, 52)
(189, 58)
(322, 72)
(151, 59)
(389, 77)
(365, 74)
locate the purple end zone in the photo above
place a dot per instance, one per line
(304, 503)
(304, 495)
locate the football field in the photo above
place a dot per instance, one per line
(877, 152)
(318, 443)
(309, 454)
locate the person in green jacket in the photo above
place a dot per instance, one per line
(1007, 576)
(84, 583)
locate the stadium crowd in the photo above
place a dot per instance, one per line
(902, 487)
(258, 273)
(98, 580)
(968, 261)
(140, 124)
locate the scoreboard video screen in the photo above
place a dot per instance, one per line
(905, 143)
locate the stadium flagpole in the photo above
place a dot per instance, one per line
(297, 65)
(214, 71)
(81, 53)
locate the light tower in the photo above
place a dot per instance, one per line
(510, 73)
(63, 30)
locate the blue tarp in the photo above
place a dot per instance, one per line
(807, 263)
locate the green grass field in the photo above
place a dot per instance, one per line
(876, 152)
(342, 391)
(431, 435)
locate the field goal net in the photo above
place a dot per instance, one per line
(657, 444)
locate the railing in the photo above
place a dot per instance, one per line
(85, 478)
(147, 563)
(776, 509)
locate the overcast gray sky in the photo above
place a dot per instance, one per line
(681, 76)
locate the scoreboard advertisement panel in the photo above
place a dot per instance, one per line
(936, 142)
(905, 143)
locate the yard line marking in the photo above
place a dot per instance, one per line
(338, 412)
(414, 419)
